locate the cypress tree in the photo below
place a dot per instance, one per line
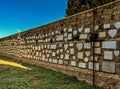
(76, 6)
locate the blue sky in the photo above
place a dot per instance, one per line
(27, 14)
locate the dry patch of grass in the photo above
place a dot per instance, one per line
(4, 62)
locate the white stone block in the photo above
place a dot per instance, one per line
(82, 65)
(61, 50)
(79, 46)
(65, 46)
(97, 44)
(53, 54)
(109, 44)
(50, 60)
(59, 38)
(117, 25)
(80, 55)
(86, 59)
(72, 51)
(52, 33)
(97, 50)
(53, 46)
(66, 56)
(106, 26)
(69, 36)
(87, 30)
(74, 57)
(108, 66)
(65, 29)
(108, 55)
(75, 32)
(73, 63)
(60, 61)
(112, 33)
(71, 44)
(61, 56)
(66, 62)
(96, 28)
(54, 60)
(83, 36)
(70, 29)
(65, 39)
(116, 52)
(68, 51)
(80, 30)
(60, 45)
(96, 66)
(87, 45)
(87, 53)
(65, 34)
(102, 34)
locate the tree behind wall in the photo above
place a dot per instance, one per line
(76, 6)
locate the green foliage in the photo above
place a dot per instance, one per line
(76, 6)
(37, 78)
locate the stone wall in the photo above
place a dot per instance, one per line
(66, 45)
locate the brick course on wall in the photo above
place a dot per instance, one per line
(67, 46)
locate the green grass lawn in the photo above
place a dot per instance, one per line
(37, 78)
